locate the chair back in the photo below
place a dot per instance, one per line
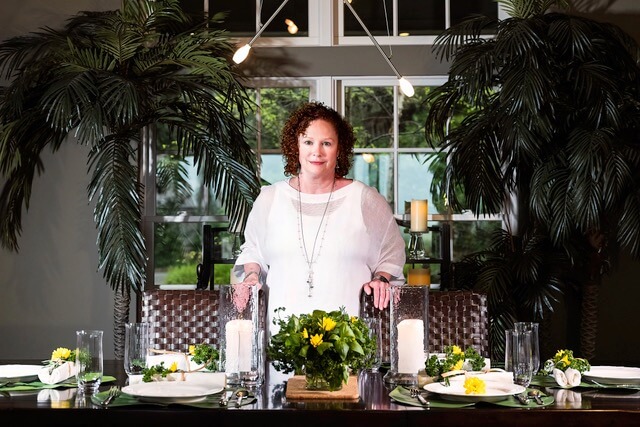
(455, 318)
(181, 318)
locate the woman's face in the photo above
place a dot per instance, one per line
(318, 147)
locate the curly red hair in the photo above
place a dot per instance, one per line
(297, 124)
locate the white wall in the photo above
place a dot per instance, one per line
(52, 287)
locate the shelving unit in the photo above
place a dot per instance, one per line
(444, 257)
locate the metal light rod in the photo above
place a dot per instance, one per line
(405, 85)
(242, 53)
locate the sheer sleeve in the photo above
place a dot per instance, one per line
(388, 251)
(254, 233)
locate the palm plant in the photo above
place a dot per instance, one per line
(104, 79)
(555, 129)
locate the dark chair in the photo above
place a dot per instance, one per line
(455, 318)
(180, 318)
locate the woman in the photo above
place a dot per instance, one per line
(316, 239)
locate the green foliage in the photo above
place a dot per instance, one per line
(554, 126)
(454, 359)
(182, 274)
(105, 78)
(564, 359)
(331, 343)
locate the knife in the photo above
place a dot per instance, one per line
(524, 400)
(224, 399)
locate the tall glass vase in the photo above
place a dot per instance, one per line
(409, 333)
(241, 350)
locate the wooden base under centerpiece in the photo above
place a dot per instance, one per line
(296, 390)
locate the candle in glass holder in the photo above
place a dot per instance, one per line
(419, 211)
(411, 346)
(238, 345)
(419, 276)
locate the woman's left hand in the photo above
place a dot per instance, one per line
(381, 292)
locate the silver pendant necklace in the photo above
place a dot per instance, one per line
(303, 245)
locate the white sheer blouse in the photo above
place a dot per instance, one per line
(357, 237)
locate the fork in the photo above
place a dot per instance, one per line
(113, 393)
(415, 393)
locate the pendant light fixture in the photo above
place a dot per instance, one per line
(405, 86)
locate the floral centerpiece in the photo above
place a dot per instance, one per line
(566, 369)
(324, 346)
(454, 360)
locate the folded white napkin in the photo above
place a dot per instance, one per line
(48, 375)
(494, 375)
(212, 379)
(567, 379)
(53, 395)
(182, 360)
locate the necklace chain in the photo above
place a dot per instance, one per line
(303, 244)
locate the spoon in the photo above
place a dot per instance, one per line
(536, 395)
(240, 394)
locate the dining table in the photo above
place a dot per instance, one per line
(270, 405)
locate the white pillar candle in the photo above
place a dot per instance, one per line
(411, 356)
(419, 212)
(238, 333)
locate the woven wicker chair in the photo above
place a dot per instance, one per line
(180, 318)
(455, 318)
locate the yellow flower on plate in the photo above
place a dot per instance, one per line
(173, 367)
(192, 349)
(459, 364)
(456, 350)
(474, 385)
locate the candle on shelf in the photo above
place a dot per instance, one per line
(419, 212)
(419, 276)
(238, 345)
(411, 356)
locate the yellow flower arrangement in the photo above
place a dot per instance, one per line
(454, 359)
(326, 344)
(204, 354)
(564, 359)
(474, 385)
(59, 357)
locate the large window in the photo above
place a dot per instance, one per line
(391, 154)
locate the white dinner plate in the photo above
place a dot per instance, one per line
(495, 391)
(19, 373)
(613, 375)
(170, 391)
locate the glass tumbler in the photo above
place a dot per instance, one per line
(137, 344)
(535, 341)
(89, 360)
(409, 326)
(518, 356)
(375, 333)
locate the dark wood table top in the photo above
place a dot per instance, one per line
(374, 407)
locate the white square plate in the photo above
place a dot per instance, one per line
(19, 373)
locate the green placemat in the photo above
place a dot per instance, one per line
(211, 401)
(37, 385)
(550, 382)
(402, 395)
